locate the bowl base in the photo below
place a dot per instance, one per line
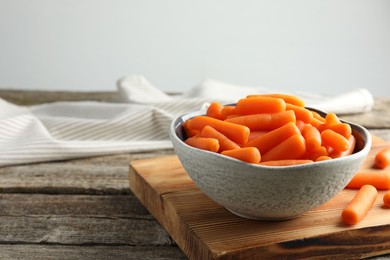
(263, 218)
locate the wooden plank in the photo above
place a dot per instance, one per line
(64, 252)
(97, 175)
(76, 230)
(113, 206)
(205, 230)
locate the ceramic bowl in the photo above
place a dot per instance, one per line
(265, 192)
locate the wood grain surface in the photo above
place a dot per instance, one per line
(41, 204)
(205, 230)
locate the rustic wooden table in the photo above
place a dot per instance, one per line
(84, 209)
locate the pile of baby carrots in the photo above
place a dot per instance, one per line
(270, 129)
(277, 130)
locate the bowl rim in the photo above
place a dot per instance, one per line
(179, 120)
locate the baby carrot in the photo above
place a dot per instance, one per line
(382, 158)
(301, 113)
(341, 128)
(335, 140)
(359, 205)
(323, 158)
(254, 134)
(300, 125)
(214, 110)
(349, 151)
(227, 111)
(224, 142)
(210, 144)
(236, 133)
(246, 154)
(285, 162)
(290, 99)
(188, 131)
(312, 137)
(269, 140)
(313, 155)
(292, 148)
(378, 179)
(264, 121)
(259, 105)
(386, 199)
(318, 117)
(332, 118)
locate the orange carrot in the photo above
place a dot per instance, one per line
(264, 121)
(301, 113)
(341, 128)
(386, 199)
(378, 179)
(349, 151)
(359, 205)
(188, 131)
(224, 142)
(382, 158)
(292, 148)
(214, 110)
(323, 158)
(254, 134)
(332, 118)
(290, 99)
(313, 155)
(312, 137)
(246, 154)
(335, 140)
(236, 133)
(316, 122)
(210, 144)
(269, 140)
(259, 105)
(318, 117)
(285, 162)
(227, 111)
(300, 125)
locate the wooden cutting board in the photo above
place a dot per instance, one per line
(205, 230)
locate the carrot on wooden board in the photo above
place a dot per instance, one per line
(290, 99)
(292, 148)
(349, 151)
(386, 199)
(286, 162)
(382, 158)
(334, 140)
(264, 121)
(246, 154)
(312, 137)
(204, 143)
(269, 140)
(235, 132)
(376, 178)
(214, 110)
(259, 105)
(359, 206)
(224, 142)
(301, 113)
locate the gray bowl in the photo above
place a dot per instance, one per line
(265, 192)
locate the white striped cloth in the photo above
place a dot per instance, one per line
(140, 122)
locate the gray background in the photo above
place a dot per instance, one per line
(326, 47)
